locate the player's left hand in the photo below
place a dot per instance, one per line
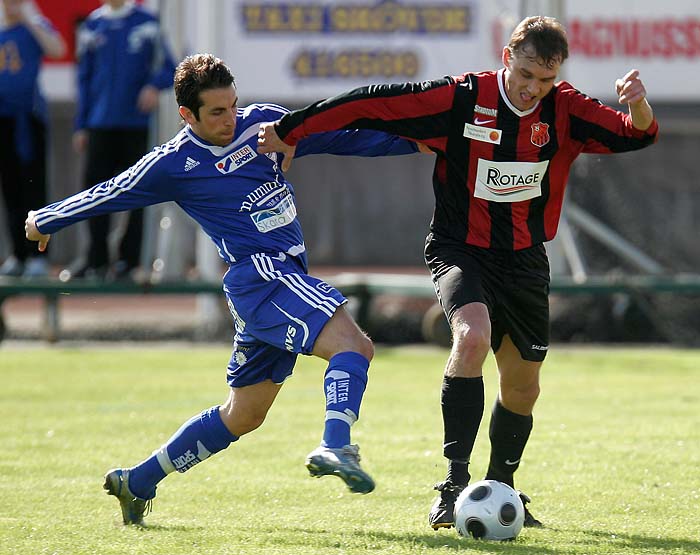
(24, 11)
(630, 89)
(148, 99)
(33, 234)
(269, 141)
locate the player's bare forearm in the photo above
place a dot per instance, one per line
(51, 42)
(631, 91)
(642, 115)
(33, 234)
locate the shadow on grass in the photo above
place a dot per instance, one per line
(640, 543)
(377, 541)
(146, 528)
(440, 540)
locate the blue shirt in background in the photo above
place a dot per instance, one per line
(119, 52)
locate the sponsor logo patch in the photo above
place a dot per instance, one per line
(289, 338)
(238, 322)
(323, 286)
(284, 213)
(484, 134)
(484, 121)
(190, 164)
(235, 160)
(337, 391)
(486, 111)
(509, 181)
(240, 358)
(188, 459)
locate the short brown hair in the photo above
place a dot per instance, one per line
(197, 73)
(545, 35)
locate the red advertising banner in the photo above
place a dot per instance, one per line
(66, 17)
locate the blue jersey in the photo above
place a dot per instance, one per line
(241, 198)
(20, 60)
(119, 52)
(20, 96)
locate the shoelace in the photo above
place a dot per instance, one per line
(148, 507)
(352, 451)
(448, 486)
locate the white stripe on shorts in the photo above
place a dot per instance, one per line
(312, 297)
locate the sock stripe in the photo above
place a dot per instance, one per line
(164, 460)
(347, 416)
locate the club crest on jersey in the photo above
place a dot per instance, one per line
(235, 160)
(540, 134)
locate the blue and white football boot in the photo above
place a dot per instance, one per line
(343, 462)
(133, 508)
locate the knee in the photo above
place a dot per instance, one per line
(520, 398)
(365, 347)
(470, 346)
(240, 423)
(359, 343)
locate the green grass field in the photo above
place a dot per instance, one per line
(613, 464)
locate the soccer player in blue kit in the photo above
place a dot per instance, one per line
(246, 206)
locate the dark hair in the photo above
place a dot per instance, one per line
(545, 35)
(197, 73)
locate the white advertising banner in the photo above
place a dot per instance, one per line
(302, 50)
(661, 39)
(297, 51)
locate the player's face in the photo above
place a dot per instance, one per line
(217, 116)
(527, 80)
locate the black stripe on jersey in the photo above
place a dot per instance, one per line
(582, 130)
(451, 217)
(535, 217)
(385, 91)
(424, 127)
(295, 119)
(500, 212)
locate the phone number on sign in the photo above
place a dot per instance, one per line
(355, 63)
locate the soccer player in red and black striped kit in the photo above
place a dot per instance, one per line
(504, 141)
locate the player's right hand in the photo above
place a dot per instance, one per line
(33, 234)
(269, 141)
(148, 99)
(80, 140)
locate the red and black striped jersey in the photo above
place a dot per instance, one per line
(500, 173)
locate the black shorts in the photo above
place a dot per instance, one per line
(514, 285)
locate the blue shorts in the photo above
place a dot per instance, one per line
(278, 312)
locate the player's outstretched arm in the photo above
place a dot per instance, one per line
(631, 91)
(33, 233)
(269, 141)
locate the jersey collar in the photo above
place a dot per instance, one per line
(504, 95)
(111, 13)
(222, 150)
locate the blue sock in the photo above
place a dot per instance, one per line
(344, 384)
(197, 439)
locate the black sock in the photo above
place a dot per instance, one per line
(509, 433)
(462, 402)
(458, 473)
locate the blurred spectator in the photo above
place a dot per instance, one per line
(25, 36)
(123, 62)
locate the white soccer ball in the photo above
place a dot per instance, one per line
(489, 510)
